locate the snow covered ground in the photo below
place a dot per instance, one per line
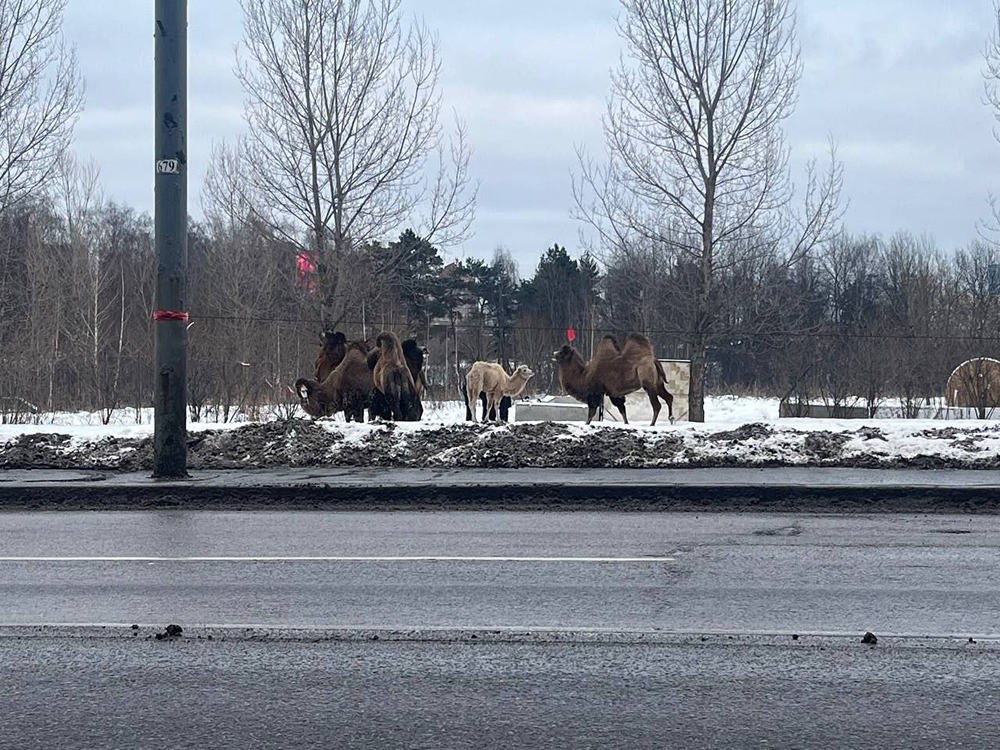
(739, 431)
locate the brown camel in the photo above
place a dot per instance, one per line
(615, 372)
(393, 380)
(331, 355)
(335, 345)
(415, 357)
(347, 388)
(491, 379)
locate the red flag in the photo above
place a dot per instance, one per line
(571, 335)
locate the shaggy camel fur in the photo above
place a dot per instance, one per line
(615, 372)
(331, 355)
(347, 388)
(335, 346)
(415, 357)
(393, 380)
(491, 379)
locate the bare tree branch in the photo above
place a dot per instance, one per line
(343, 118)
(697, 164)
(41, 94)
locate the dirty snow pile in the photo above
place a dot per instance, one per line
(739, 432)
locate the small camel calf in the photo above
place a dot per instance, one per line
(490, 378)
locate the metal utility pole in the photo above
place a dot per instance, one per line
(170, 316)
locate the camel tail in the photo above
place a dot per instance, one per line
(465, 395)
(409, 405)
(395, 395)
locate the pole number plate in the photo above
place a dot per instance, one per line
(168, 166)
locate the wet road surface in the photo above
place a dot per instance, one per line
(709, 587)
(927, 575)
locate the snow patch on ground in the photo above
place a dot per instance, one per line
(739, 431)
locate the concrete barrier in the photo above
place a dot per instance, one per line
(550, 409)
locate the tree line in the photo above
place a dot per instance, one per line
(862, 317)
(699, 240)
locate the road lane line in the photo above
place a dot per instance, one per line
(337, 558)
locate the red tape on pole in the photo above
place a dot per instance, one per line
(170, 315)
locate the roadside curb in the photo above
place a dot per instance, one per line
(689, 490)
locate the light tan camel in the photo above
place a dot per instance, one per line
(490, 378)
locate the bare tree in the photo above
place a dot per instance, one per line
(343, 138)
(991, 88)
(696, 157)
(78, 317)
(41, 93)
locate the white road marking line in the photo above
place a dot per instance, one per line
(317, 558)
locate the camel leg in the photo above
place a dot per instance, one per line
(482, 398)
(490, 407)
(593, 402)
(669, 398)
(472, 395)
(619, 402)
(655, 403)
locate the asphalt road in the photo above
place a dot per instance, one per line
(925, 575)
(195, 694)
(482, 630)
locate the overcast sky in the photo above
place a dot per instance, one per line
(897, 83)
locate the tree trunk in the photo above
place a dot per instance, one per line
(696, 396)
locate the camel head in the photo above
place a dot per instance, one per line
(518, 380)
(415, 353)
(311, 397)
(332, 339)
(303, 388)
(523, 372)
(566, 355)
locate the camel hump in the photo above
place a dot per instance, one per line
(636, 342)
(388, 342)
(358, 346)
(607, 348)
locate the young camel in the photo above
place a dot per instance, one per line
(490, 378)
(615, 372)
